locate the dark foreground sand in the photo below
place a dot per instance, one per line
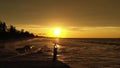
(32, 64)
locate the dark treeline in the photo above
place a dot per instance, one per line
(11, 32)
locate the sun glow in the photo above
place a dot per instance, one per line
(57, 32)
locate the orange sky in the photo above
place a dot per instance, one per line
(77, 18)
(75, 32)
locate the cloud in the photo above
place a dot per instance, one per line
(79, 29)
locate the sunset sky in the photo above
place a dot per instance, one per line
(76, 18)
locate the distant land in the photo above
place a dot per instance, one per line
(10, 32)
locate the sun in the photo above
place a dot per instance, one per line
(57, 32)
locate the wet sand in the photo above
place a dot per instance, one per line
(32, 64)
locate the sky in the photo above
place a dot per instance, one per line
(76, 18)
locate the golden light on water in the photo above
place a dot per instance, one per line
(58, 46)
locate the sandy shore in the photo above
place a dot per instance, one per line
(32, 64)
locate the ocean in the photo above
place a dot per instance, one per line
(75, 52)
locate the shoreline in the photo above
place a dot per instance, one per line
(13, 40)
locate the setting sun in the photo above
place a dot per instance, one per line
(57, 31)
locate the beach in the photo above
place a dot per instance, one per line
(32, 64)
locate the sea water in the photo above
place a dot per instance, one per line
(77, 53)
(90, 53)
